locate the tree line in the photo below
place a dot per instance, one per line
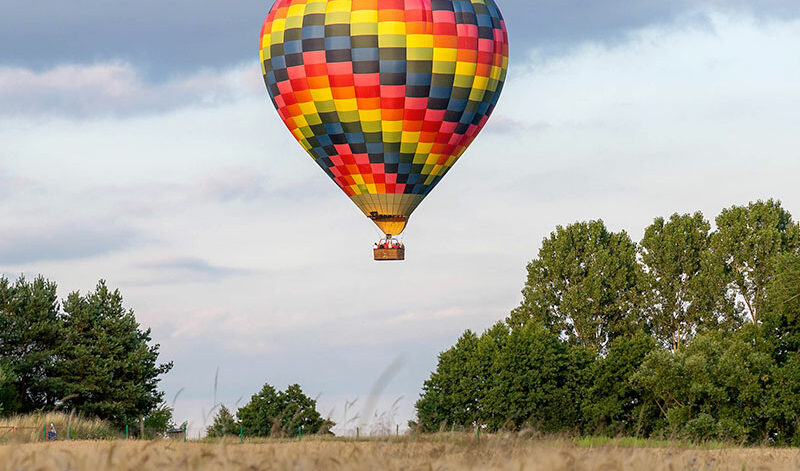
(692, 333)
(87, 354)
(271, 413)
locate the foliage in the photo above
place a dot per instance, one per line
(30, 332)
(107, 368)
(613, 406)
(531, 381)
(712, 389)
(781, 322)
(260, 414)
(90, 357)
(649, 341)
(675, 297)
(158, 421)
(582, 285)
(224, 424)
(455, 391)
(272, 413)
(746, 244)
(7, 392)
(505, 379)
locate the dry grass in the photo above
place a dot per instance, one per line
(407, 453)
(31, 427)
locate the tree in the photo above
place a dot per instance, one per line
(300, 411)
(781, 404)
(275, 413)
(107, 367)
(782, 317)
(614, 406)
(7, 391)
(224, 424)
(582, 285)
(714, 388)
(781, 331)
(29, 333)
(745, 245)
(675, 297)
(455, 393)
(450, 396)
(260, 414)
(533, 382)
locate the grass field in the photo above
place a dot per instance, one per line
(29, 427)
(441, 452)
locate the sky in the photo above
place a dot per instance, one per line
(138, 145)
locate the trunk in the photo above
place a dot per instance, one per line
(753, 314)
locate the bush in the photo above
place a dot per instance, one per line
(225, 424)
(158, 422)
(701, 428)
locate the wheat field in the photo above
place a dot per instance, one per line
(401, 454)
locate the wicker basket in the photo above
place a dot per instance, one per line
(390, 254)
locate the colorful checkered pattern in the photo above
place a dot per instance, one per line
(385, 95)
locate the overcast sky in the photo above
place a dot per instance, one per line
(138, 145)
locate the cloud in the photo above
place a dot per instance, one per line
(557, 26)
(48, 244)
(512, 125)
(166, 39)
(105, 77)
(118, 89)
(188, 270)
(235, 184)
(10, 184)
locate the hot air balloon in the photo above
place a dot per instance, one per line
(385, 95)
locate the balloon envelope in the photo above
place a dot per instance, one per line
(385, 95)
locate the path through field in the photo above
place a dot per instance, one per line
(400, 454)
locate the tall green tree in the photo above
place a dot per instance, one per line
(30, 331)
(224, 424)
(277, 413)
(745, 245)
(262, 413)
(451, 396)
(781, 327)
(582, 285)
(782, 316)
(675, 297)
(107, 367)
(455, 394)
(300, 411)
(613, 405)
(535, 382)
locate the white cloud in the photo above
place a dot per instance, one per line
(116, 89)
(78, 240)
(678, 119)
